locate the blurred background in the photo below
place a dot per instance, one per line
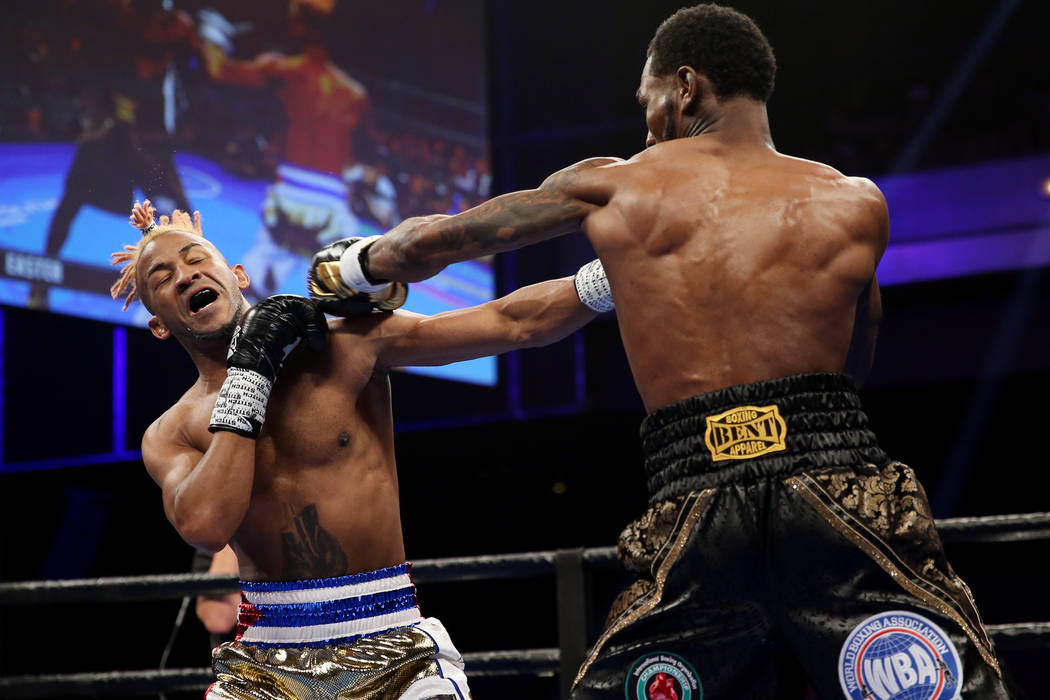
(291, 124)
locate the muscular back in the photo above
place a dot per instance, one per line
(733, 264)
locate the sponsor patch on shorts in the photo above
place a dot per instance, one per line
(899, 655)
(662, 676)
(745, 432)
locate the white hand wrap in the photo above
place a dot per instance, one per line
(350, 268)
(241, 403)
(593, 287)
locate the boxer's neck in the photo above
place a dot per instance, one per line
(210, 360)
(736, 119)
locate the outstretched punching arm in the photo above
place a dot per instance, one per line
(421, 247)
(532, 316)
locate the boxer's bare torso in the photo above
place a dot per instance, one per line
(729, 262)
(732, 263)
(324, 501)
(316, 494)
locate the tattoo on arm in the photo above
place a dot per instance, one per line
(310, 551)
(515, 219)
(421, 247)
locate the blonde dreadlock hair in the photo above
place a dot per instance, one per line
(142, 219)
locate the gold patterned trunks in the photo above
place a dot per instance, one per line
(784, 548)
(351, 637)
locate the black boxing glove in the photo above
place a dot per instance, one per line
(269, 331)
(340, 284)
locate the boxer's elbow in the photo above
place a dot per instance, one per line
(543, 314)
(541, 329)
(204, 538)
(546, 334)
(520, 320)
(523, 334)
(204, 528)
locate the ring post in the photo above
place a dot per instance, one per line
(573, 595)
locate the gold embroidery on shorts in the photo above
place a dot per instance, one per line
(906, 578)
(673, 545)
(745, 432)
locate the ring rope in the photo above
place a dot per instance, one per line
(532, 662)
(995, 528)
(529, 662)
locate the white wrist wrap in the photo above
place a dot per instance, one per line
(593, 287)
(350, 268)
(241, 403)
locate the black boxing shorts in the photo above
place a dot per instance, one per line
(783, 547)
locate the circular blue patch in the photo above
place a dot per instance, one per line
(662, 675)
(899, 655)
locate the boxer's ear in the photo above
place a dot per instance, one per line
(158, 329)
(692, 89)
(242, 276)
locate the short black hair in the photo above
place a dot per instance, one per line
(723, 44)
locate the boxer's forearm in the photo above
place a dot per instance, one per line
(544, 313)
(421, 247)
(210, 503)
(531, 316)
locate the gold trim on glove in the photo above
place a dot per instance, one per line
(326, 284)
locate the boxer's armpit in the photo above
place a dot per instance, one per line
(310, 551)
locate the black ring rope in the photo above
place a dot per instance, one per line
(995, 528)
(528, 662)
(531, 662)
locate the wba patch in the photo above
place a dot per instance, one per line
(662, 676)
(899, 655)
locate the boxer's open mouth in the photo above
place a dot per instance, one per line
(201, 299)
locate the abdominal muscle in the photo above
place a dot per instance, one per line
(325, 495)
(321, 522)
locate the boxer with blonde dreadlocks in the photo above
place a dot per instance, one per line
(296, 472)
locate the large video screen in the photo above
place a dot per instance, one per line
(286, 124)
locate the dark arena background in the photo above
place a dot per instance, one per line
(946, 105)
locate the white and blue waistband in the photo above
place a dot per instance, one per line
(318, 612)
